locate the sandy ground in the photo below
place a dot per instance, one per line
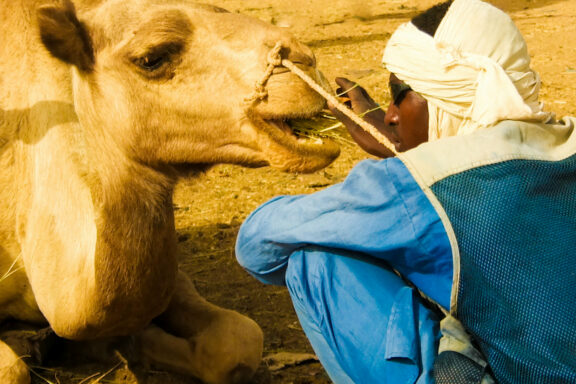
(348, 37)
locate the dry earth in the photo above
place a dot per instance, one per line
(348, 37)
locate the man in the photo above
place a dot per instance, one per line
(476, 226)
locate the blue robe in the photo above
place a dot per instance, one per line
(465, 222)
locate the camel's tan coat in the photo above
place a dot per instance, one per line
(103, 106)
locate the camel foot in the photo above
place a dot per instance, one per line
(196, 338)
(217, 356)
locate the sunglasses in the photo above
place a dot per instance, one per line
(398, 91)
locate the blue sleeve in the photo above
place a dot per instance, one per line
(379, 210)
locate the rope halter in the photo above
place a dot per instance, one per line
(274, 60)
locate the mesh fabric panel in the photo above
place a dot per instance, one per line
(515, 224)
(454, 368)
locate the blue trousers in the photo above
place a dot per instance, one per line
(364, 322)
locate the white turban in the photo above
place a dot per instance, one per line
(474, 72)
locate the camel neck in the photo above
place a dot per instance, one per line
(135, 256)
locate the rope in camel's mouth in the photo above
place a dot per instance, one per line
(275, 60)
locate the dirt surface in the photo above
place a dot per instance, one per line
(348, 38)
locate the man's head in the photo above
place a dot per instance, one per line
(406, 118)
(468, 63)
(407, 115)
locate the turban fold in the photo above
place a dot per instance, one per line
(474, 72)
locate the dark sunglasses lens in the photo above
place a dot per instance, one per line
(398, 91)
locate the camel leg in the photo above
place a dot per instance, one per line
(12, 368)
(197, 338)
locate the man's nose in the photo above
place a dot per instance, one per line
(392, 115)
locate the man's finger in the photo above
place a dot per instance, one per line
(344, 83)
(360, 100)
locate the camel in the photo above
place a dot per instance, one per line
(104, 105)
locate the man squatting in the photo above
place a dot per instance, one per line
(454, 261)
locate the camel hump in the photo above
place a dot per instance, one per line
(66, 37)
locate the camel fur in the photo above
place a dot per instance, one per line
(104, 105)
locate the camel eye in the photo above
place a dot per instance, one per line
(151, 62)
(159, 61)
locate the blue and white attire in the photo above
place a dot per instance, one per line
(483, 224)
(480, 225)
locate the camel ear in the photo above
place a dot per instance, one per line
(65, 37)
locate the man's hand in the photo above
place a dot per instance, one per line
(362, 104)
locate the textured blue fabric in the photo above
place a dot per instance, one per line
(515, 223)
(379, 211)
(360, 337)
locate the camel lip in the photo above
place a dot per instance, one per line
(279, 137)
(283, 124)
(286, 127)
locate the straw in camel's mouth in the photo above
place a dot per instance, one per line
(311, 129)
(285, 148)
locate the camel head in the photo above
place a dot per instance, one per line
(168, 83)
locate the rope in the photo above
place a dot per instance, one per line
(341, 107)
(275, 60)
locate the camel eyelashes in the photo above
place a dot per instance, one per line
(151, 62)
(154, 61)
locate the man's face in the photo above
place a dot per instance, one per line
(407, 116)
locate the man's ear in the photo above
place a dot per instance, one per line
(65, 37)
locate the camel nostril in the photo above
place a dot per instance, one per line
(302, 56)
